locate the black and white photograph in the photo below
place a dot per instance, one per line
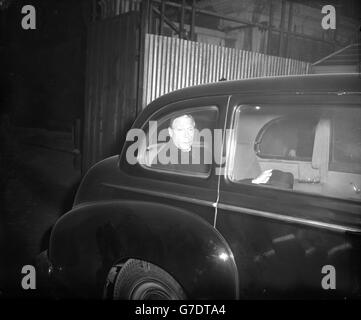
(192, 150)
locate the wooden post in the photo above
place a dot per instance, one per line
(144, 25)
(335, 35)
(282, 28)
(181, 33)
(162, 13)
(289, 28)
(145, 14)
(77, 144)
(193, 36)
(270, 22)
(94, 10)
(150, 16)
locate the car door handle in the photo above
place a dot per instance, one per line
(355, 187)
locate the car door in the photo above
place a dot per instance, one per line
(292, 237)
(173, 185)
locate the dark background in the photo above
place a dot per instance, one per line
(42, 87)
(44, 68)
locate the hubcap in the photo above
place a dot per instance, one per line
(151, 289)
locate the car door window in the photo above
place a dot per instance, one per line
(180, 142)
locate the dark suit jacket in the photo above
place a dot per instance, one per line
(167, 156)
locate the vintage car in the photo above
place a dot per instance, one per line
(231, 230)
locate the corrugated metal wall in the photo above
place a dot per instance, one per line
(111, 8)
(111, 82)
(172, 63)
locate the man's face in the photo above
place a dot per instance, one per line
(182, 132)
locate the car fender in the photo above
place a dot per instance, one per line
(87, 241)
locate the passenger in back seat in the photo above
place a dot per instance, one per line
(248, 170)
(276, 178)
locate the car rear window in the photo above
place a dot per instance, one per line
(306, 149)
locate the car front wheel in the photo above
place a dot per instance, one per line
(141, 280)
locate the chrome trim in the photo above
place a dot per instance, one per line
(259, 213)
(276, 216)
(161, 194)
(220, 163)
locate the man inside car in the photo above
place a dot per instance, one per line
(183, 152)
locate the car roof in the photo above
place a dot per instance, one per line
(338, 82)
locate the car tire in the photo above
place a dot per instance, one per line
(141, 280)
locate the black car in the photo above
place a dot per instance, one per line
(275, 213)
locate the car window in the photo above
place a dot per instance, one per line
(287, 138)
(305, 149)
(346, 137)
(180, 142)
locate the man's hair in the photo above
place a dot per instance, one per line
(180, 116)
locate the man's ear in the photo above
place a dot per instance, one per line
(170, 131)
